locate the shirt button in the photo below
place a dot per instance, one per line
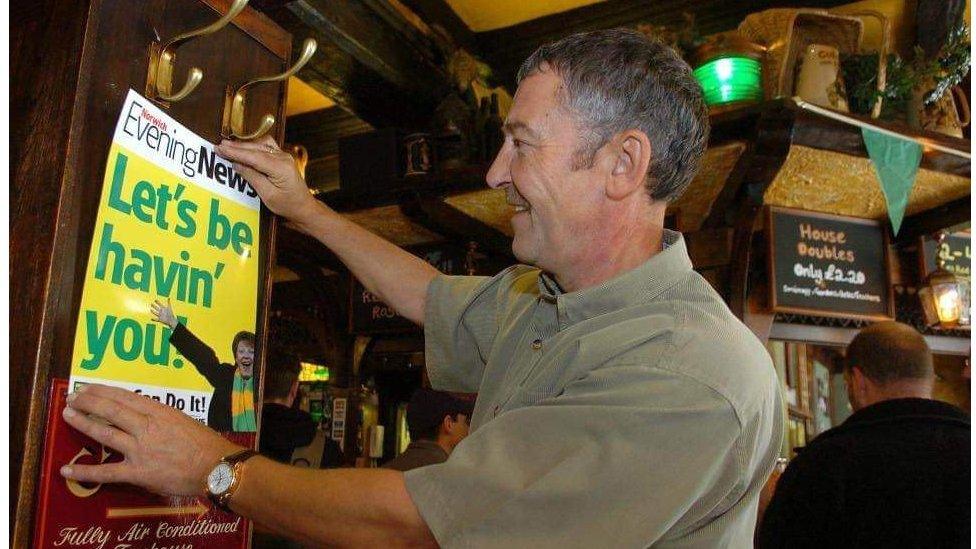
(537, 344)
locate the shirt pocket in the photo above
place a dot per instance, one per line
(548, 377)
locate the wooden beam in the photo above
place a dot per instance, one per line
(438, 12)
(506, 48)
(819, 132)
(320, 131)
(445, 219)
(931, 221)
(370, 60)
(449, 182)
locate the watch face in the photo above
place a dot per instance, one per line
(220, 479)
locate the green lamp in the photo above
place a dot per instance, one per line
(729, 71)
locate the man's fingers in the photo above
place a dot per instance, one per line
(258, 180)
(100, 431)
(256, 145)
(116, 413)
(109, 472)
(255, 158)
(137, 402)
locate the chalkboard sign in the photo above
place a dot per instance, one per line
(955, 253)
(828, 265)
(369, 315)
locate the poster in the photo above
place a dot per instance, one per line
(118, 516)
(176, 224)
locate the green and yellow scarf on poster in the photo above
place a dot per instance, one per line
(242, 404)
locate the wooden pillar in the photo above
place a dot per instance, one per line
(72, 63)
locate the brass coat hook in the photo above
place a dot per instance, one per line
(162, 58)
(236, 101)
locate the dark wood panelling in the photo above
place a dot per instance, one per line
(45, 34)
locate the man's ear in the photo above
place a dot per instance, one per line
(858, 379)
(447, 425)
(631, 157)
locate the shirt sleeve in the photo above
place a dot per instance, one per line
(621, 458)
(460, 324)
(203, 358)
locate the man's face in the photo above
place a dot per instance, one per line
(244, 357)
(556, 207)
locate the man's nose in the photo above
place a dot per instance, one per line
(499, 174)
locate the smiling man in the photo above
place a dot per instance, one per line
(620, 403)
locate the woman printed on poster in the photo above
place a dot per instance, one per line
(232, 402)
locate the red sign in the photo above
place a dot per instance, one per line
(120, 516)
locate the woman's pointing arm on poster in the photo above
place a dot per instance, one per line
(396, 276)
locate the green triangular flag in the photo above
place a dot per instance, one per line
(896, 162)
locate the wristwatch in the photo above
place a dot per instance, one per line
(225, 477)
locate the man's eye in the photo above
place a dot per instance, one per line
(517, 143)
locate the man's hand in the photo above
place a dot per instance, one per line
(164, 313)
(165, 451)
(273, 174)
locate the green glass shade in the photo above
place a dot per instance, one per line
(730, 79)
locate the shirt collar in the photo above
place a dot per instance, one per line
(428, 445)
(638, 285)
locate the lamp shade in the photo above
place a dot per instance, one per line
(946, 296)
(730, 79)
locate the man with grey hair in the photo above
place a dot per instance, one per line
(620, 403)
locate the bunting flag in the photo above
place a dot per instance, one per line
(896, 162)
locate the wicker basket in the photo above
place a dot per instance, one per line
(786, 33)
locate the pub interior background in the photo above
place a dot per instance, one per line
(394, 121)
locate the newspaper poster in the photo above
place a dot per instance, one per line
(169, 305)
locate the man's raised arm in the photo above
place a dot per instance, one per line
(397, 277)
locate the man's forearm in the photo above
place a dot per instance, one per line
(397, 277)
(337, 507)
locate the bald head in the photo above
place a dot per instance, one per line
(888, 360)
(890, 351)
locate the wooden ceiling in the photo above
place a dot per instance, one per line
(487, 15)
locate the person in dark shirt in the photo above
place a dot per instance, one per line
(285, 428)
(288, 434)
(437, 422)
(895, 474)
(232, 403)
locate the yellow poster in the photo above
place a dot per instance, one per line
(169, 305)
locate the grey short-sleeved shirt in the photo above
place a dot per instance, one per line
(635, 413)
